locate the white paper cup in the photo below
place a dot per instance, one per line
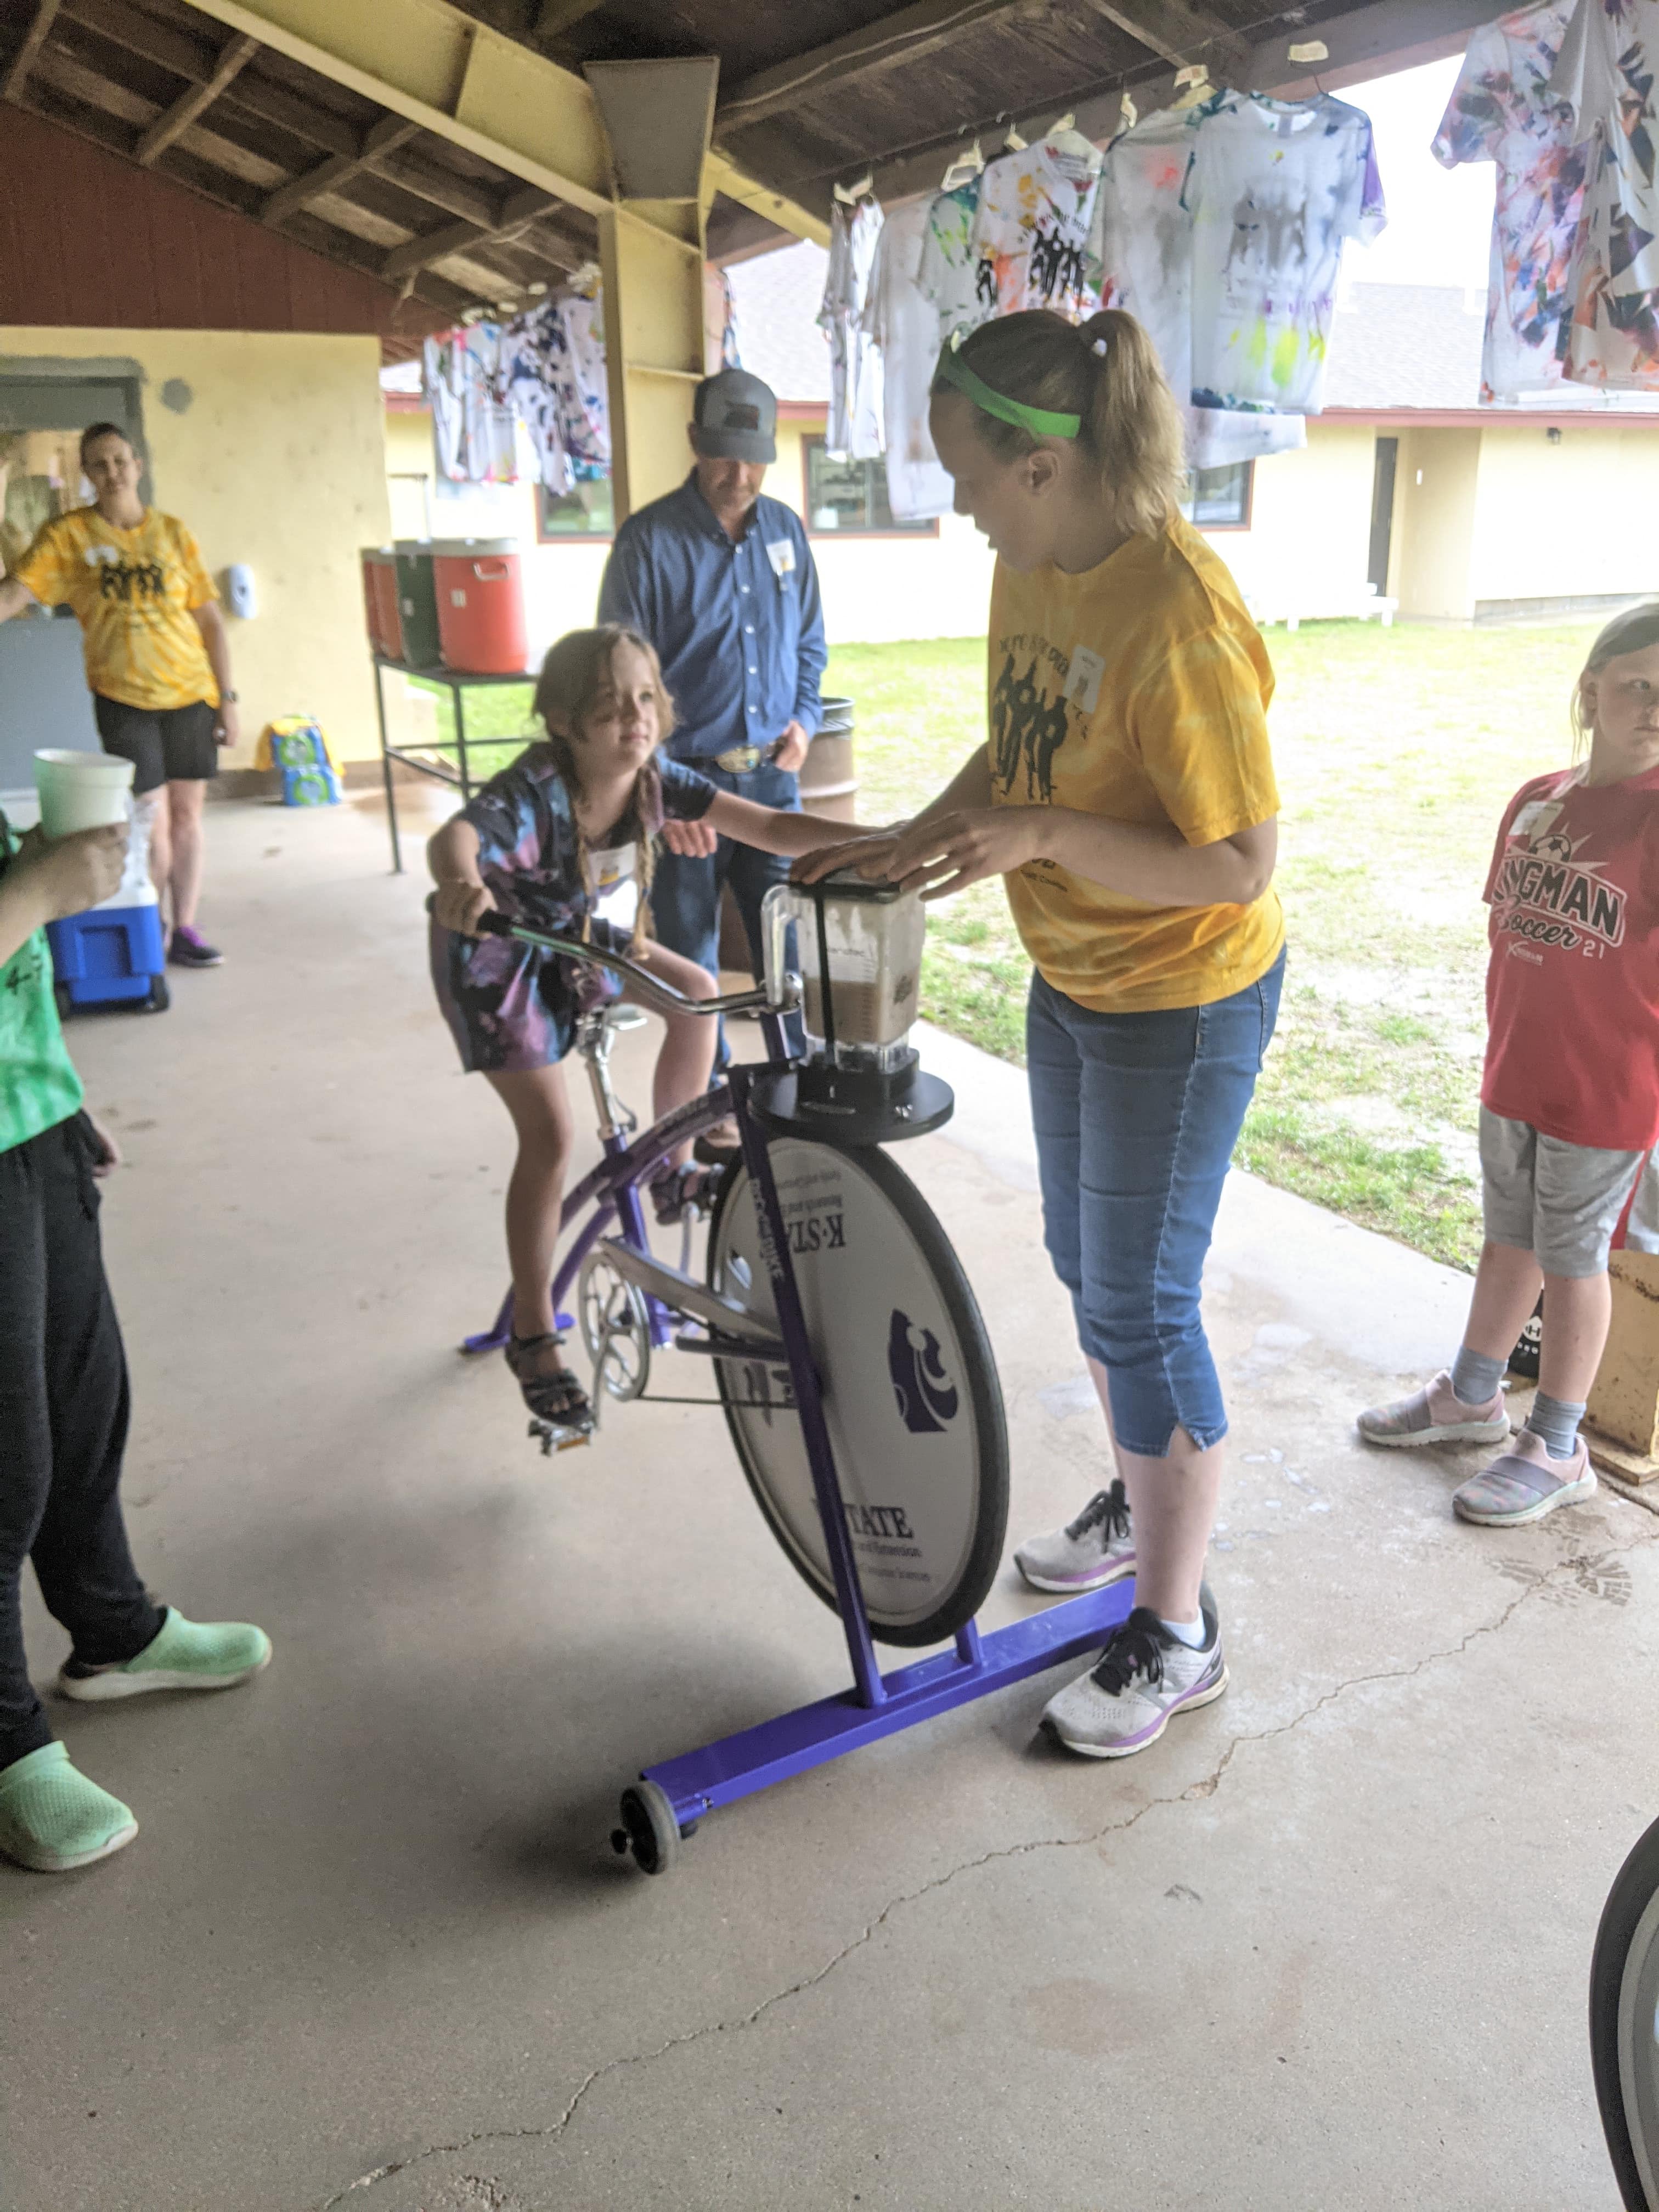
(80, 791)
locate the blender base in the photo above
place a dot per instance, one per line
(869, 1112)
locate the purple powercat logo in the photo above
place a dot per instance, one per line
(926, 1397)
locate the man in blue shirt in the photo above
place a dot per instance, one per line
(722, 583)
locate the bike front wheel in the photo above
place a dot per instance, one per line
(908, 1383)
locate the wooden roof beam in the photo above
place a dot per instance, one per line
(17, 70)
(1181, 34)
(905, 36)
(382, 138)
(466, 82)
(558, 16)
(518, 211)
(174, 121)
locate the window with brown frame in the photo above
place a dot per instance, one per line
(844, 498)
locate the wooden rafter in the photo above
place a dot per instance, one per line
(905, 36)
(517, 212)
(1178, 32)
(174, 121)
(557, 16)
(17, 72)
(382, 138)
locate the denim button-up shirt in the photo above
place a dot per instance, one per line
(738, 628)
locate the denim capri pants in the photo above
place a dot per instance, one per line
(1136, 1118)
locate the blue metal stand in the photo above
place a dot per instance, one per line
(699, 1781)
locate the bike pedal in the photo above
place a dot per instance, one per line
(553, 1438)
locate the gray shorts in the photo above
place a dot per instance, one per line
(1560, 1201)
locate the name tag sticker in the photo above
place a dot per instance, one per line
(1083, 677)
(782, 554)
(1535, 819)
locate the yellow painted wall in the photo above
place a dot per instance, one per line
(1435, 509)
(1308, 542)
(1567, 521)
(279, 461)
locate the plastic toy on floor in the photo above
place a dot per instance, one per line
(298, 748)
(115, 954)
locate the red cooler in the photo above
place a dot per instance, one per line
(480, 604)
(381, 601)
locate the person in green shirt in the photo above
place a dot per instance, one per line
(64, 1399)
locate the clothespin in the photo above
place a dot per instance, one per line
(850, 195)
(1127, 114)
(1013, 143)
(1310, 50)
(1191, 85)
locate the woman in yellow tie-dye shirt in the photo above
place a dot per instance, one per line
(156, 657)
(1125, 797)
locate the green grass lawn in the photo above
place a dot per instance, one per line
(1395, 752)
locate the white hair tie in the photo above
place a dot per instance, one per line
(1099, 347)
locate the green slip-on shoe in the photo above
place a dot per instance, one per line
(187, 1654)
(53, 1818)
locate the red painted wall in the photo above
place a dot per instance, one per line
(89, 241)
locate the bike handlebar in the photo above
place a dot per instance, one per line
(662, 997)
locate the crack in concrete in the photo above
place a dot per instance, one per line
(1205, 1786)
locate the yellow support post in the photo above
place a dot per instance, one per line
(653, 351)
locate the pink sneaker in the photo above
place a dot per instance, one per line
(1524, 1484)
(1434, 1415)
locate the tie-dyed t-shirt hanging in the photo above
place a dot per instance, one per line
(1140, 254)
(1502, 110)
(854, 428)
(1609, 58)
(950, 269)
(1031, 232)
(1275, 188)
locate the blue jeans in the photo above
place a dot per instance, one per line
(1136, 1118)
(685, 894)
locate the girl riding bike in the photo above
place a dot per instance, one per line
(562, 842)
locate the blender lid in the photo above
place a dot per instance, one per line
(847, 882)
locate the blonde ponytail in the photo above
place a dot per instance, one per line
(1106, 373)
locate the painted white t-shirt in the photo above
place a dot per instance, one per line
(1502, 110)
(1605, 73)
(854, 426)
(615, 894)
(949, 270)
(1275, 189)
(1032, 226)
(904, 324)
(1140, 254)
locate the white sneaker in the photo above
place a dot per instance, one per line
(1143, 1676)
(1097, 1548)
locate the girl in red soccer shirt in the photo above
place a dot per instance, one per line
(1570, 1105)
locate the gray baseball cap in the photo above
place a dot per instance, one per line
(734, 415)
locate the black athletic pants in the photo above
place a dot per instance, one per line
(63, 1425)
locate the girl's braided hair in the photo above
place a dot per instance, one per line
(575, 672)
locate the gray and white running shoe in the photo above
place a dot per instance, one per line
(1143, 1677)
(1097, 1548)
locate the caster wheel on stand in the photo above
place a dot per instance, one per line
(649, 1829)
(160, 998)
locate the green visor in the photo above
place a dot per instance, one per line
(1040, 422)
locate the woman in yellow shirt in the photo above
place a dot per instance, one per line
(1127, 798)
(157, 660)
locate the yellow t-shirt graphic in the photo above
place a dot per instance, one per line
(132, 591)
(1137, 692)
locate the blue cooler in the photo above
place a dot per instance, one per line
(115, 954)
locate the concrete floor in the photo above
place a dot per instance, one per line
(1326, 1946)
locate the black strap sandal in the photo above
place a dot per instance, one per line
(558, 1398)
(675, 1188)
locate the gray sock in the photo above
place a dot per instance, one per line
(1557, 1421)
(1475, 1377)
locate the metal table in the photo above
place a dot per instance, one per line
(456, 682)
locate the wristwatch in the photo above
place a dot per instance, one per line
(228, 698)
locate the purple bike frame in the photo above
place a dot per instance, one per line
(876, 1704)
